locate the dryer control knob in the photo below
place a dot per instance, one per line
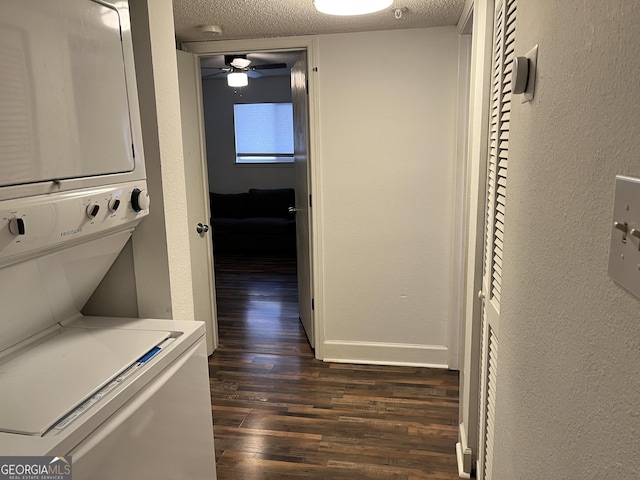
(139, 200)
(114, 204)
(92, 210)
(16, 226)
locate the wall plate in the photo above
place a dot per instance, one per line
(624, 253)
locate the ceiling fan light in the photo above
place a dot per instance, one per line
(351, 7)
(240, 62)
(237, 79)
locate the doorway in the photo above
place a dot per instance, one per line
(254, 203)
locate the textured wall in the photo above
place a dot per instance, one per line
(387, 104)
(224, 175)
(568, 382)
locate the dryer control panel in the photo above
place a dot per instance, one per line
(33, 224)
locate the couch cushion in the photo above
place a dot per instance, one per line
(272, 202)
(255, 225)
(229, 205)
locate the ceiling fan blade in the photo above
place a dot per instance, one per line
(216, 74)
(269, 66)
(253, 74)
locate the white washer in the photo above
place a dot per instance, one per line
(125, 398)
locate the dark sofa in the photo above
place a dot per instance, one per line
(254, 222)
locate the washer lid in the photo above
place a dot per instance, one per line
(43, 384)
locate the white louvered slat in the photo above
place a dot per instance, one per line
(492, 366)
(494, 287)
(499, 244)
(499, 270)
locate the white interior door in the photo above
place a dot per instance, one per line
(198, 210)
(303, 199)
(503, 57)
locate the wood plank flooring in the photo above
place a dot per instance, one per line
(279, 413)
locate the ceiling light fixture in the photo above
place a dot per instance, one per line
(351, 7)
(237, 78)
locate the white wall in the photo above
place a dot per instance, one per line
(161, 244)
(387, 107)
(568, 381)
(218, 98)
(119, 283)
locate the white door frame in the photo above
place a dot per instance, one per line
(461, 193)
(206, 307)
(310, 45)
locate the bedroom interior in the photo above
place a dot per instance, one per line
(252, 222)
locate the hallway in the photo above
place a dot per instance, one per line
(279, 413)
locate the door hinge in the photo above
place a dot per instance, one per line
(313, 304)
(310, 203)
(306, 86)
(133, 150)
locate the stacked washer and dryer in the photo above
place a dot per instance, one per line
(125, 398)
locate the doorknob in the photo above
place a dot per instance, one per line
(202, 228)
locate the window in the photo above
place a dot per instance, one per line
(264, 132)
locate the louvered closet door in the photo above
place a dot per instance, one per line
(503, 56)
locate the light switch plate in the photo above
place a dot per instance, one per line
(530, 91)
(624, 253)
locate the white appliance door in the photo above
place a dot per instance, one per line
(62, 62)
(303, 205)
(164, 432)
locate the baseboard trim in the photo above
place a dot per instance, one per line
(460, 457)
(433, 356)
(464, 454)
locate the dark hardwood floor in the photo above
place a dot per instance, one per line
(279, 413)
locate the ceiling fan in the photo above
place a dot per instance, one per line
(241, 64)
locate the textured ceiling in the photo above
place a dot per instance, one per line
(282, 18)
